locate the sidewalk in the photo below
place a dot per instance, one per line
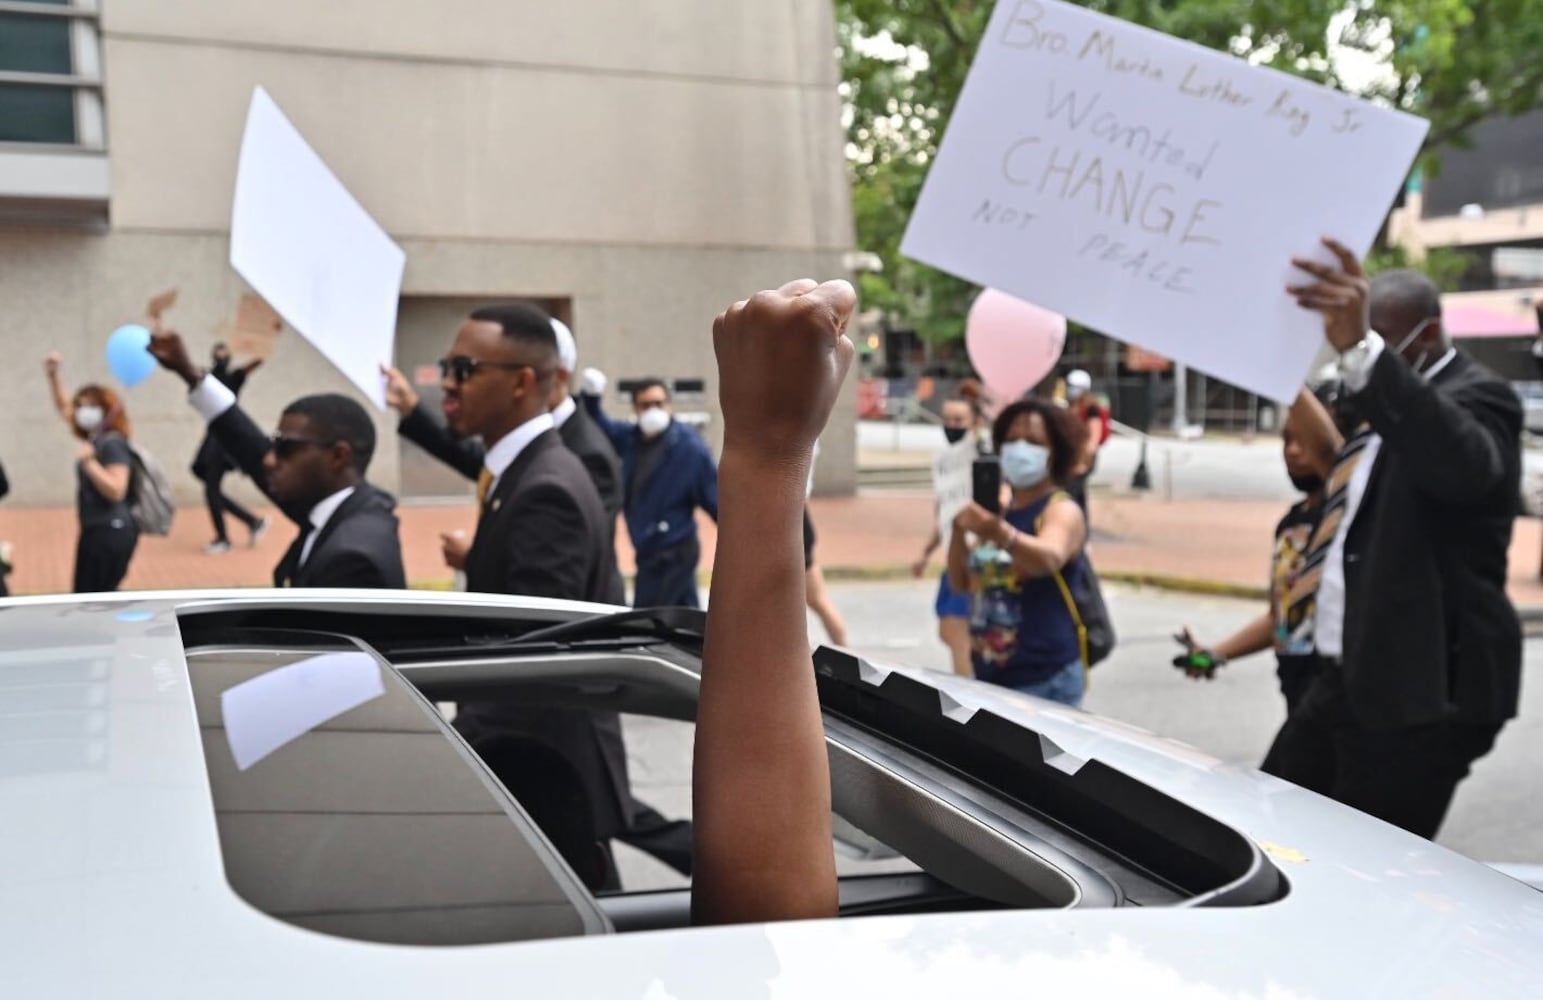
(1215, 546)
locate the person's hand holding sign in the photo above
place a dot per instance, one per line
(1342, 295)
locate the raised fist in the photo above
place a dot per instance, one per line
(782, 356)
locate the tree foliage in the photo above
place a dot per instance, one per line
(904, 62)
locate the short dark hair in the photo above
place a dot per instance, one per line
(1066, 433)
(1408, 292)
(524, 323)
(338, 418)
(642, 385)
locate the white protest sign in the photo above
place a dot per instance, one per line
(301, 240)
(953, 483)
(1155, 190)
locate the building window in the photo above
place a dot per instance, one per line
(50, 73)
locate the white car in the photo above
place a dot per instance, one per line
(252, 794)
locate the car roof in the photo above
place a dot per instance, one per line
(113, 881)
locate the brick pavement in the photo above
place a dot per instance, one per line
(1210, 541)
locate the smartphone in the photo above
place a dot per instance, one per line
(987, 473)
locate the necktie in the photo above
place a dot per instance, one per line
(484, 487)
(1336, 503)
(289, 566)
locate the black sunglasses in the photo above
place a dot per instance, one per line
(462, 368)
(286, 447)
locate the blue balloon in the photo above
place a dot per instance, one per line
(128, 354)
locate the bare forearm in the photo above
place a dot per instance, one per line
(760, 744)
(1255, 637)
(61, 399)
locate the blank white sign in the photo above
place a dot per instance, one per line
(1155, 190)
(307, 246)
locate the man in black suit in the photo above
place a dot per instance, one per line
(1422, 647)
(542, 532)
(575, 426)
(313, 469)
(580, 433)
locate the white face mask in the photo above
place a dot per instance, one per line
(1025, 464)
(1418, 363)
(88, 418)
(653, 421)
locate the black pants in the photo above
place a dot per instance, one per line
(1297, 674)
(219, 503)
(1404, 776)
(102, 556)
(667, 579)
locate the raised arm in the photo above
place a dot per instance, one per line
(230, 425)
(427, 433)
(591, 391)
(1312, 421)
(761, 781)
(56, 393)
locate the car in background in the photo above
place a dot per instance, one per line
(256, 794)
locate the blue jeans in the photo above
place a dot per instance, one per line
(1066, 685)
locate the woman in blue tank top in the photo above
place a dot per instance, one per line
(1022, 629)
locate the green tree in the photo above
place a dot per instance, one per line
(904, 62)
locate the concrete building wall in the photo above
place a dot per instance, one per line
(645, 162)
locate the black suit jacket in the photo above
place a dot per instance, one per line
(1429, 631)
(359, 546)
(543, 532)
(579, 432)
(588, 440)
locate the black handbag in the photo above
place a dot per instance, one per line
(1085, 600)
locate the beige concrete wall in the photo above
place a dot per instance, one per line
(635, 311)
(648, 161)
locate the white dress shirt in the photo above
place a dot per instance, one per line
(508, 447)
(212, 400)
(320, 515)
(564, 410)
(1329, 624)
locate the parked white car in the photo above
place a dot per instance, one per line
(252, 794)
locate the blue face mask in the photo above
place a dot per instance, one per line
(1024, 464)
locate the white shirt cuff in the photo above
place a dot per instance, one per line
(211, 399)
(1356, 369)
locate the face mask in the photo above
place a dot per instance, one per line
(955, 434)
(1307, 484)
(1025, 465)
(88, 418)
(653, 421)
(1418, 363)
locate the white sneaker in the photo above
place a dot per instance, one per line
(216, 548)
(259, 530)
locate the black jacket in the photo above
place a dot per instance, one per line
(359, 546)
(588, 440)
(543, 533)
(1429, 631)
(579, 432)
